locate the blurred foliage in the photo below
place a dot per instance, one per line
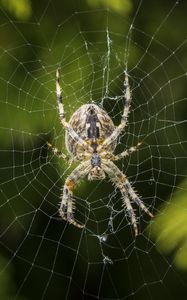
(119, 6)
(7, 285)
(169, 229)
(21, 9)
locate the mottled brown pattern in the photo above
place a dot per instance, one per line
(78, 123)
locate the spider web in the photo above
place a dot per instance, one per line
(42, 257)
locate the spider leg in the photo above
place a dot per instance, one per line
(124, 119)
(57, 152)
(66, 125)
(67, 204)
(127, 96)
(136, 199)
(59, 97)
(126, 152)
(127, 191)
(130, 210)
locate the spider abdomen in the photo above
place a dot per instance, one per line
(93, 125)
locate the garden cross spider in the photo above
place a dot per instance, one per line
(91, 138)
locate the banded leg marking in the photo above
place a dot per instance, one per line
(67, 206)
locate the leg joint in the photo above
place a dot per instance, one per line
(70, 184)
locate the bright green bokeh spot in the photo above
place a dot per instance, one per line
(170, 227)
(21, 9)
(120, 6)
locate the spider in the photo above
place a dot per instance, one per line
(91, 138)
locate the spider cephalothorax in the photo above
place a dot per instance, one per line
(91, 138)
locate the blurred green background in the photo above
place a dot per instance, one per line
(40, 256)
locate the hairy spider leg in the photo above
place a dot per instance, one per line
(136, 199)
(66, 125)
(119, 180)
(124, 119)
(129, 209)
(126, 152)
(57, 152)
(127, 192)
(67, 204)
(59, 97)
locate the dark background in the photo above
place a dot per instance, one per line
(42, 257)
